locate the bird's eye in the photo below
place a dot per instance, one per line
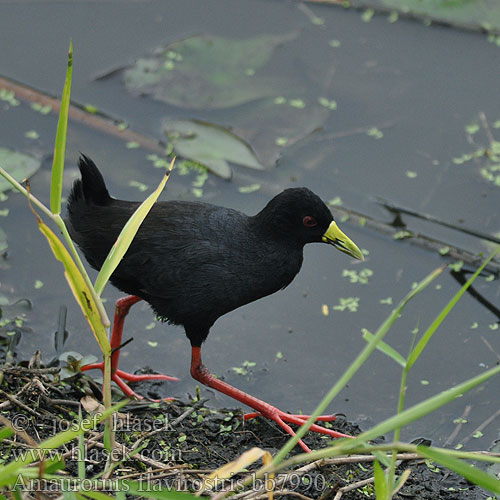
(309, 221)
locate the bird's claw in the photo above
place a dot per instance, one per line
(119, 376)
(280, 417)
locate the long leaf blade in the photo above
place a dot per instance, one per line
(78, 286)
(466, 470)
(60, 144)
(127, 234)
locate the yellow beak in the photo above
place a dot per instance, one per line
(334, 236)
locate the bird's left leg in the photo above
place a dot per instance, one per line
(122, 308)
(201, 373)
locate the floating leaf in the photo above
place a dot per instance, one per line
(19, 165)
(206, 71)
(211, 145)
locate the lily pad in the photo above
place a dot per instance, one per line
(19, 165)
(483, 14)
(209, 72)
(211, 145)
(273, 124)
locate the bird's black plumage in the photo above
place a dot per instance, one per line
(193, 262)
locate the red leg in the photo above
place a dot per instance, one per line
(122, 308)
(200, 373)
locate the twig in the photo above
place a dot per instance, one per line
(31, 371)
(482, 426)
(489, 346)
(458, 427)
(188, 412)
(353, 486)
(16, 401)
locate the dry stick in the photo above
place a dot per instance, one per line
(30, 371)
(353, 486)
(458, 427)
(97, 122)
(489, 346)
(16, 401)
(482, 426)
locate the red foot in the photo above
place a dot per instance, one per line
(280, 417)
(200, 373)
(119, 375)
(123, 306)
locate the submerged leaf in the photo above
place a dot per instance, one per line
(211, 145)
(206, 71)
(19, 165)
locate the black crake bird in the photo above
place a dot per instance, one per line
(194, 262)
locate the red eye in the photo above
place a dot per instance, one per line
(309, 221)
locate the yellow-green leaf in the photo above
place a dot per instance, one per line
(127, 234)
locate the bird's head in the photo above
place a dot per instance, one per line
(299, 214)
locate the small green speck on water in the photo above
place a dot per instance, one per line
(151, 343)
(460, 420)
(393, 16)
(387, 301)
(32, 134)
(327, 103)
(345, 218)
(362, 276)
(39, 108)
(90, 108)
(375, 132)
(169, 65)
(151, 325)
(474, 325)
(401, 235)
(279, 355)
(456, 266)
(334, 43)
(132, 145)
(281, 141)
(472, 128)
(459, 446)
(493, 326)
(4, 212)
(9, 97)
(249, 189)
(362, 221)
(250, 72)
(122, 126)
(139, 185)
(347, 303)
(367, 15)
(411, 174)
(279, 100)
(489, 278)
(444, 250)
(197, 192)
(496, 124)
(424, 382)
(297, 103)
(38, 284)
(317, 21)
(335, 202)
(477, 434)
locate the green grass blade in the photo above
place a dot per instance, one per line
(81, 450)
(60, 144)
(439, 319)
(97, 495)
(355, 366)
(127, 235)
(381, 489)
(472, 474)
(421, 409)
(78, 286)
(385, 348)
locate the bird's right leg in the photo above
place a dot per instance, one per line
(122, 308)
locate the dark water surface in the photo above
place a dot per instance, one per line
(419, 85)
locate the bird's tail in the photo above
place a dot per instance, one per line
(91, 187)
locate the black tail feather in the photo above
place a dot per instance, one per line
(91, 186)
